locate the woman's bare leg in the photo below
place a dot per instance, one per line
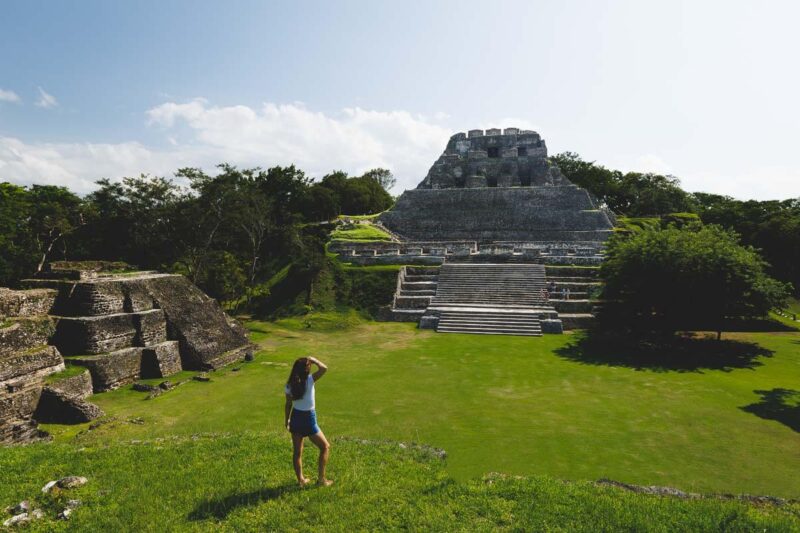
(297, 458)
(324, 451)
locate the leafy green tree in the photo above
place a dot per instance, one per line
(321, 203)
(17, 255)
(633, 194)
(660, 281)
(55, 213)
(383, 176)
(225, 278)
(771, 226)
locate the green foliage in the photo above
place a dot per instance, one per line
(684, 278)
(368, 289)
(330, 287)
(636, 224)
(359, 195)
(633, 194)
(225, 279)
(35, 225)
(771, 226)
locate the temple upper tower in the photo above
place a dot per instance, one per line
(493, 158)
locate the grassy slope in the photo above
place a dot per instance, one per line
(508, 404)
(361, 232)
(241, 482)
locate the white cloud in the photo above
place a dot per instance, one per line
(353, 139)
(641, 163)
(773, 182)
(46, 100)
(758, 183)
(79, 165)
(9, 96)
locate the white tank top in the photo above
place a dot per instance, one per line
(306, 403)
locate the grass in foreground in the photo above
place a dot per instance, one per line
(242, 482)
(510, 404)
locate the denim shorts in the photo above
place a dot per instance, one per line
(303, 423)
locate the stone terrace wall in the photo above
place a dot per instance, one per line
(25, 361)
(558, 213)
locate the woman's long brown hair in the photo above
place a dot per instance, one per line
(299, 377)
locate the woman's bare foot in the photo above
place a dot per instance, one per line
(304, 481)
(324, 482)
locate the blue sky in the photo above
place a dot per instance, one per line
(707, 91)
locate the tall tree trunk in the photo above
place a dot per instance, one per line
(45, 254)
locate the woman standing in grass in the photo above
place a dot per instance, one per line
(301, 419)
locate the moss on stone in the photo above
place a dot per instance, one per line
(68, 372)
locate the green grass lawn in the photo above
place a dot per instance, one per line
(510, 404)
(240, 482)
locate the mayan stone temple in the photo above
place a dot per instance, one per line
(501, 237)
(112, 328)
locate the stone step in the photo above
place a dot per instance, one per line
(404, 292)
(479, 329)
(418, 285)
(412, 302)
(414, 278)
(480, 323)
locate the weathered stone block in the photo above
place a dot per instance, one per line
(552, 326)
(26, 303)
(151, 327)
(161, 360)
(78, 386)
(101, 334)
(21, 334)
(428, 322)
(112, 370)
(197, 322)
(32, 364)
(60, 408)
(21, 381)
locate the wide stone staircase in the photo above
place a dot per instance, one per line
(492, 299)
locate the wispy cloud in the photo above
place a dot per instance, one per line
(46, 100)
(9, 96)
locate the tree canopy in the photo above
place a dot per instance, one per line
(695, 277)
(227, 231)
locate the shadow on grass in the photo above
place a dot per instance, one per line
(760, 325)
(222, 507)
(782, 405)
(680, 353)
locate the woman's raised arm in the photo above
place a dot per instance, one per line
(321, 368)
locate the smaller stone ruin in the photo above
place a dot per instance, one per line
(26, 360)
(111, 329)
